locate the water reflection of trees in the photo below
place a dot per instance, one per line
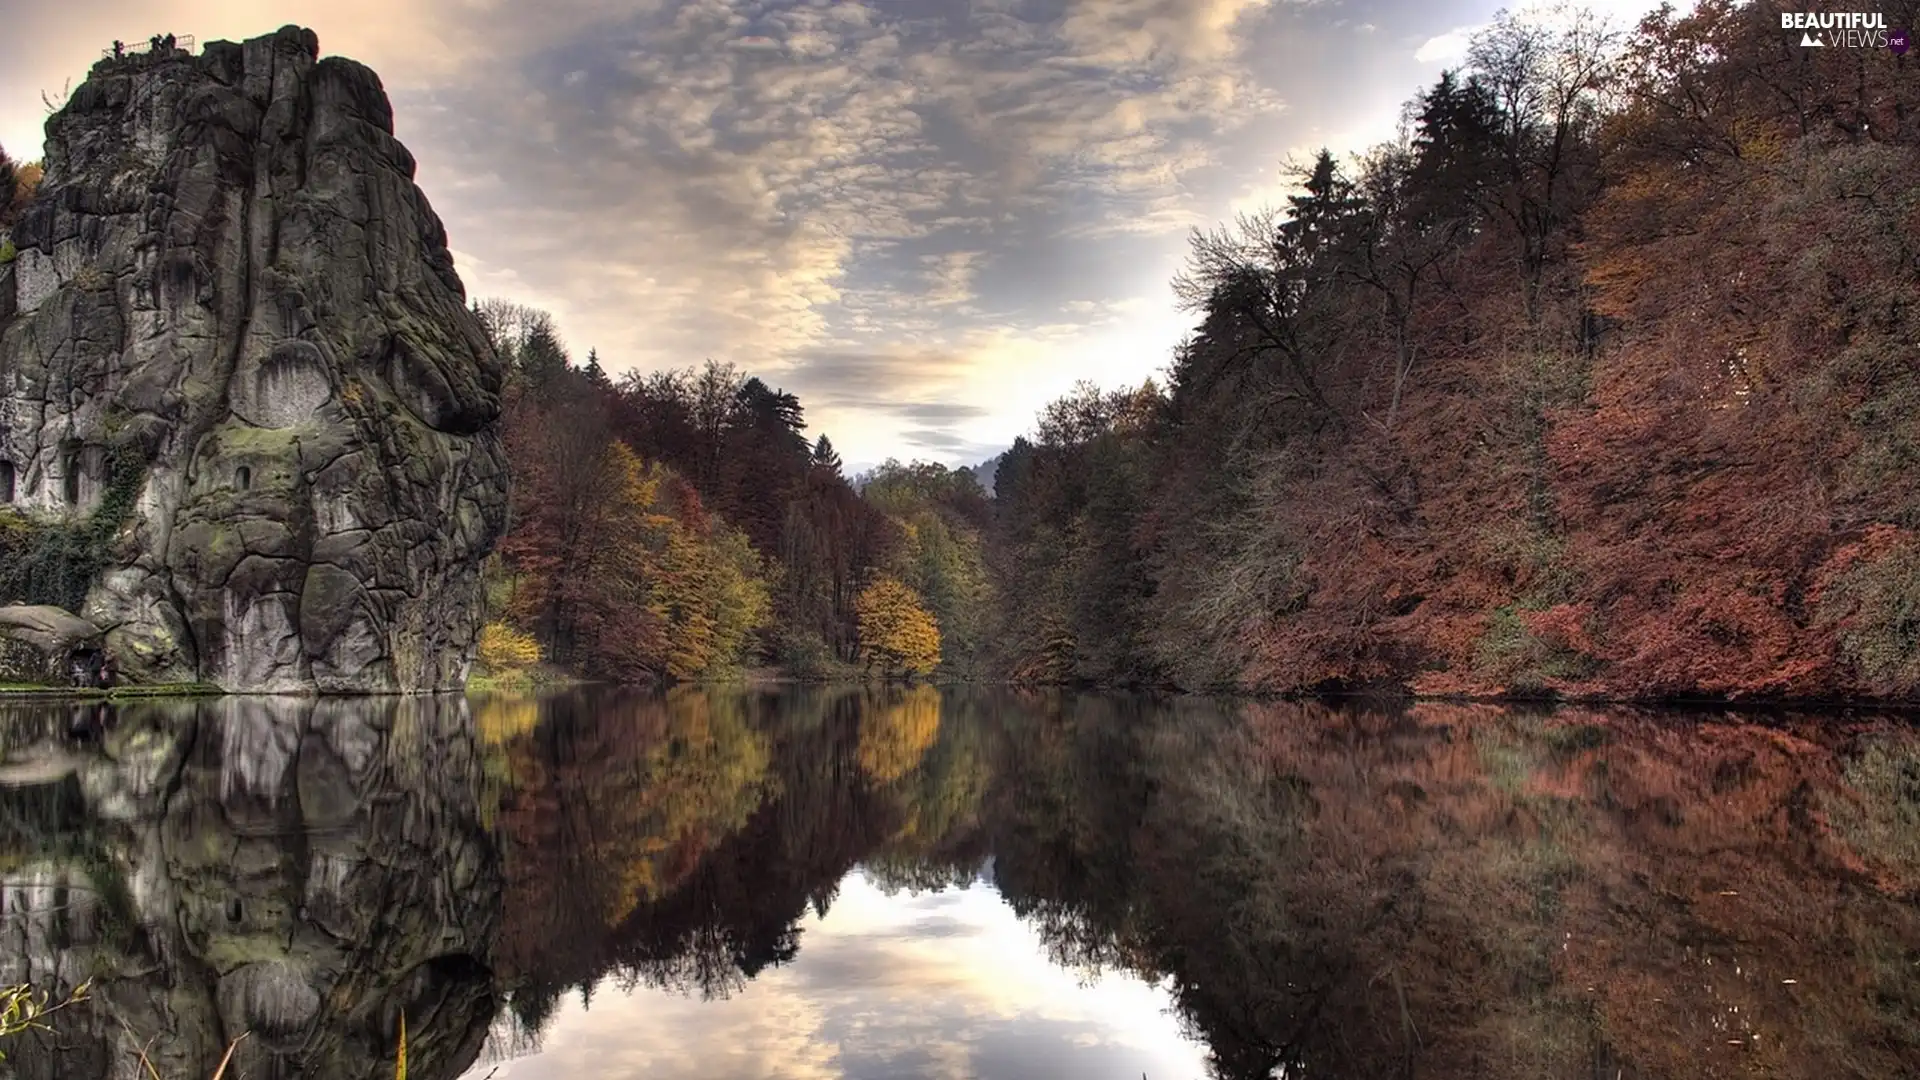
(299, 871)
(1447, 891)
(678, 840)
(1456, 891)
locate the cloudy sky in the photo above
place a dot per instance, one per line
(926, 217)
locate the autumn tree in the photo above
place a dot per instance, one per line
(739, 441)
(504, 650)
(18, 182)
(1546, 73)
(940, 514)
(613, 562)
(897, 633)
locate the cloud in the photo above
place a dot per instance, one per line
(1449, 48)
(949, 276)
(873, 201)
(779, 185)
(938, 411)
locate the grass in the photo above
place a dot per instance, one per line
(23, 1009)
(117, 693)
(517, 680)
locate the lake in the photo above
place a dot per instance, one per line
(904, 882)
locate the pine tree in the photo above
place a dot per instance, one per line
(1456, 148)
(596, 374)
(825, 456)
(543, 359)
(1321, 220)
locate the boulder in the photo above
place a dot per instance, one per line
(233, 343)
(42, 645)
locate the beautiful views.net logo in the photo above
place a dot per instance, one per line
(1845, 30)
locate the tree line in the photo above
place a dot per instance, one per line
(1599, 378)
(680, 524)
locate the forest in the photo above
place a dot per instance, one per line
(1599, 380)
(680, 525)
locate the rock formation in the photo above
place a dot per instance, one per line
(235, 359)
(41, 645)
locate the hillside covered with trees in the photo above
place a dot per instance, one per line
(1604, 379)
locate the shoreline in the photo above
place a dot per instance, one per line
(762, 680)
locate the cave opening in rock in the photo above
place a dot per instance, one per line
(242, 478)
(70, 473)
(6, 481)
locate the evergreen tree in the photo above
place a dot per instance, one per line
(825, 456)
(1320, 221)
(596, 374)
(542, 359)
(1456, 150)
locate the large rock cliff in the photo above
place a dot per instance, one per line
(237, 367)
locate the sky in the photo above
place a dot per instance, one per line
(939, 985)
(927, 218)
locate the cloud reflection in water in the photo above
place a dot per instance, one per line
(939, 985)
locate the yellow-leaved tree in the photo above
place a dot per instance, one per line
(505, 650)
(704, 583)
(897, 634)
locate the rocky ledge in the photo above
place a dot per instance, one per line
(247, 421)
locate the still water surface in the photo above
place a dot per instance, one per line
(872, 883)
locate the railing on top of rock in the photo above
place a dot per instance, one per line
(158, 43)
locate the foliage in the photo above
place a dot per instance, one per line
(504, 649)
(897, 633)
(24, 1009)
(19, 182)
(612, 564)
(940, 514)
(1876, 605)
(672, 525)
(1590, 382)
(55, 560)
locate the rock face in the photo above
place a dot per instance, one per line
(47, 646)
(234, 342)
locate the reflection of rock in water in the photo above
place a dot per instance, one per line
(300, 871)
